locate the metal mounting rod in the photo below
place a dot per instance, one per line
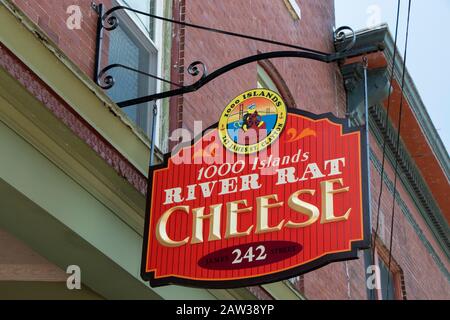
(205, 78)
(109, 80)
(99, 40)
(112, 23)
(107, 21)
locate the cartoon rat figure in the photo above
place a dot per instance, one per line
(252, 120)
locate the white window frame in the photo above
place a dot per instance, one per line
(152, 45)
(294, 9)
(265, 81)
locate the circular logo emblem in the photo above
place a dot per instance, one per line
(252, 121)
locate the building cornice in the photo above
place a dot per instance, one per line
(378, 83)
(418, 107)
(381, 36)
(411, 178)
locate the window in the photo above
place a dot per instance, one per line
(298, 283)
(146, 24)
(264, 80)
(387, 282)
(390, 281)
(269, 77)
(135, 43)
(294, 9)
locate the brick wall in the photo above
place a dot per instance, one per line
(422, 277)
(51, 16)
(315, 86)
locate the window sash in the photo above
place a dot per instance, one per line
(144, 23)
(264, 80)
(148, 61)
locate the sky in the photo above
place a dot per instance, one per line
(428, 47)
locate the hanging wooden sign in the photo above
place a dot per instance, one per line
(266, 194)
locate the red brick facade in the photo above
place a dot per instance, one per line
(314, 86)
(423, 279)
(51, 16)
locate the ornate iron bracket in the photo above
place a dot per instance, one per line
(109, 22)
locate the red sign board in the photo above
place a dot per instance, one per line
(219, 217)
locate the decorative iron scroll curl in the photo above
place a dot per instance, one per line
(194, 71)
(106, 81)
(110, 23)
(340, 35)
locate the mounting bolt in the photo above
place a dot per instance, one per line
(94, 6)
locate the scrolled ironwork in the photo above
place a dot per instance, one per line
(105, 81)
(340, 35)
(194, 70)
(110, 23)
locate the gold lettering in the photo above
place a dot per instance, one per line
(232, 219)
(327, 201)
(214, 223)
(303, 207)
(161, 228)
(263, 206)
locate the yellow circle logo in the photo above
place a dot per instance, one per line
(252, 121)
